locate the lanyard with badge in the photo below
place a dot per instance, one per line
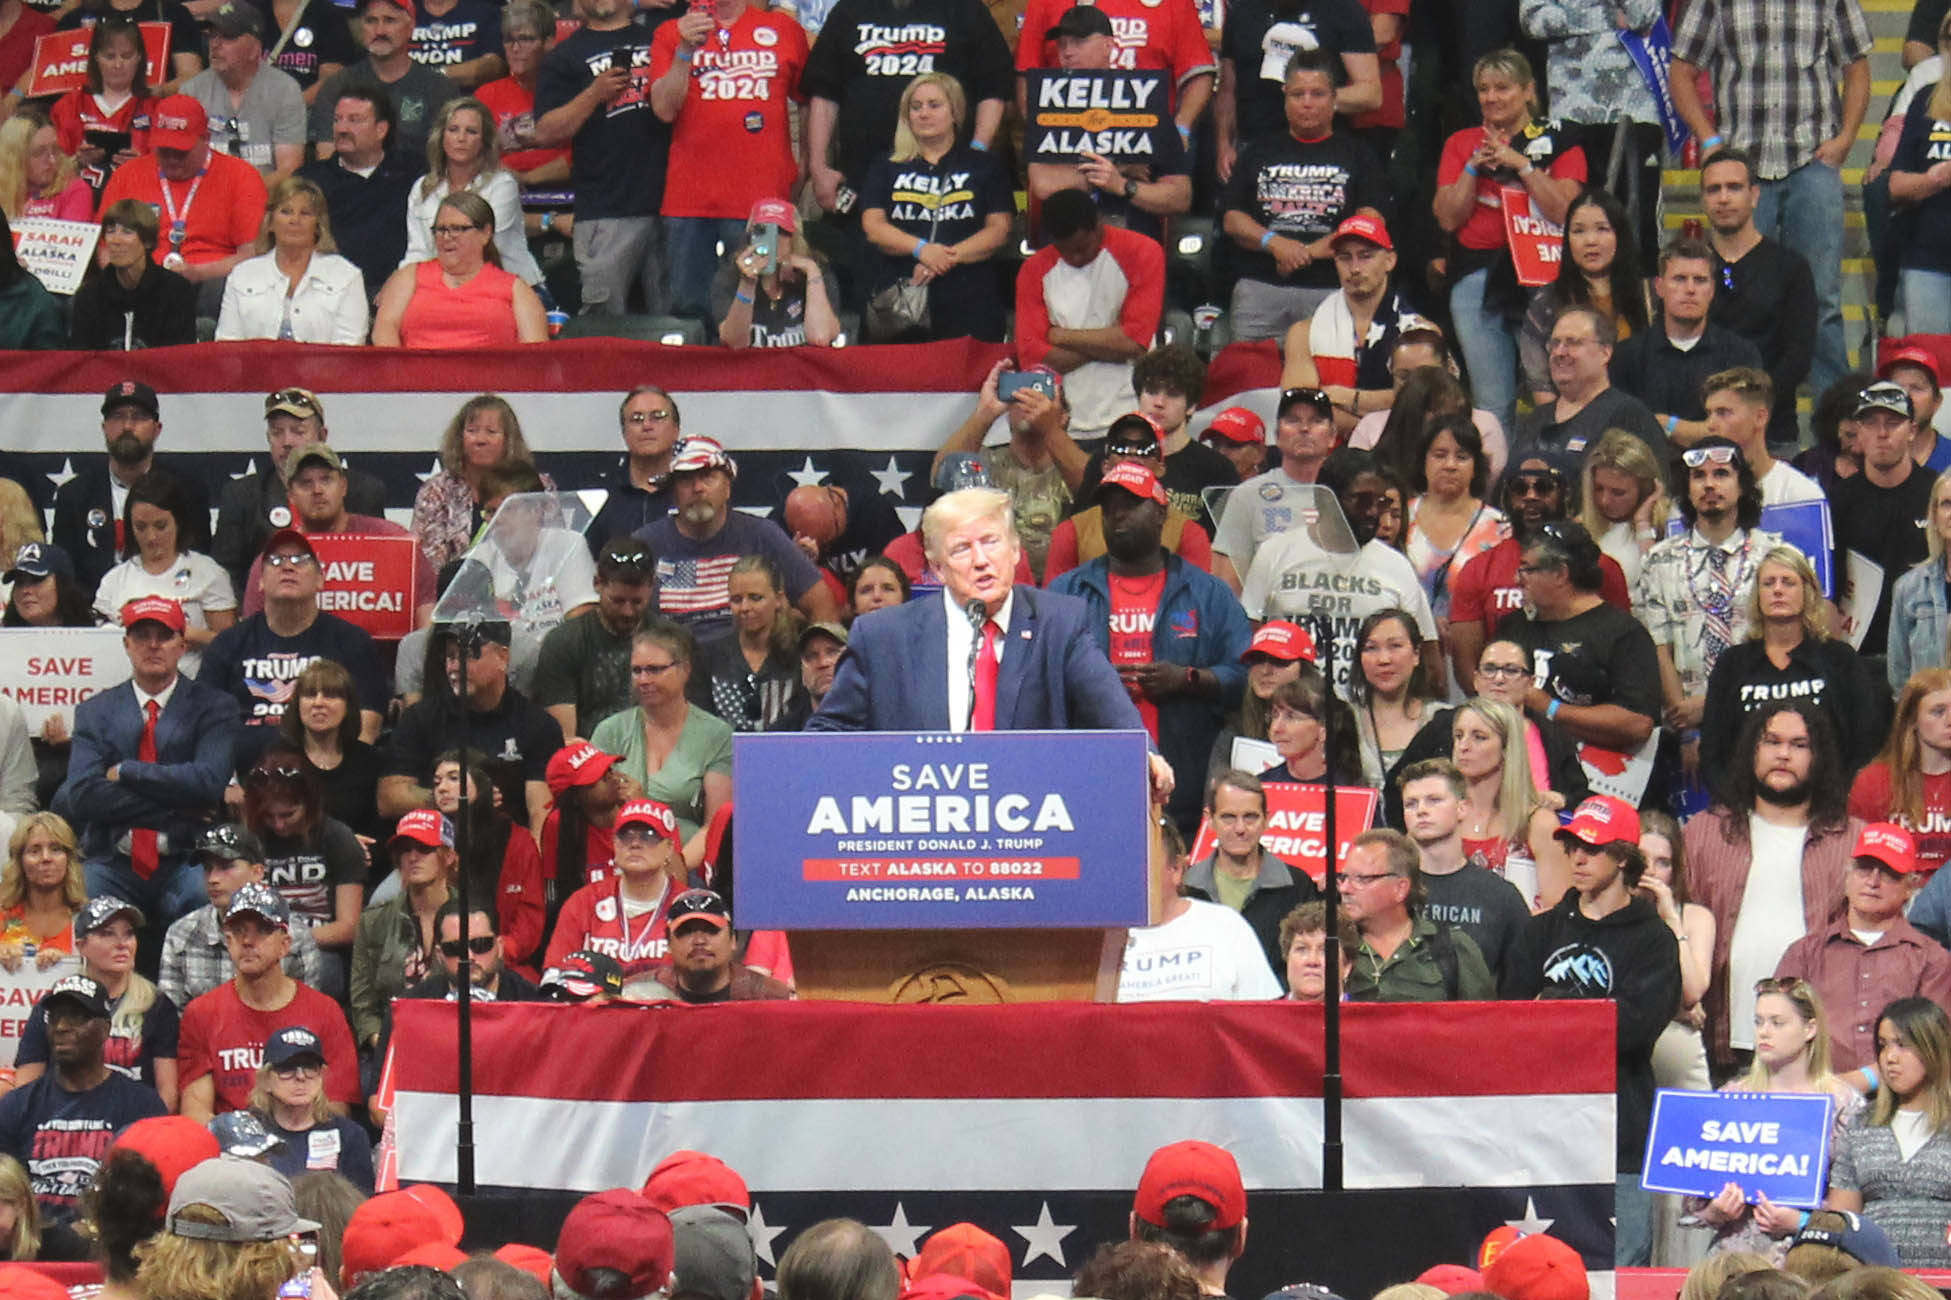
(179, 222)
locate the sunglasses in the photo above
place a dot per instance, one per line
(480, 945)
(1311, 396)
(1536, 483)
(279, 772)
(1695, 457)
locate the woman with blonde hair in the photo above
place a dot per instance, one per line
(1508, 826)
(750, 676)
(1893, 1163)
(41, 889)
(1625, 505)
(464, 153)
(1917, 603)
(1789, 654)
(142, 1023)
(484, 434)
(207, 1253)
(297, 288)
(288, 1094)
(19, 1208)
(1791, 1055)
(772, 294)
(37, 179)
(938, 246)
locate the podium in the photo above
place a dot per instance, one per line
(972, 868)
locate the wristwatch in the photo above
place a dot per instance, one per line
(1131, 189)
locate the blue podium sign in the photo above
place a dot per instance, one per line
(883, 830)
(1775, 1143)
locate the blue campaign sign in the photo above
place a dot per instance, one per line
(1803, 525)
(883, 830)
(1772, 1143)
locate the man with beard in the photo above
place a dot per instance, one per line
(1174, 633)
(1537, 490)
(702, 965)
(1765, 292)
(582, 673)
(697, 545)
(1293, 577)
(1594, 669)
(1346, 346)
(492, 980)
(1241, 874)
(1693, 590)
(88, 507)
(1459, 893)
(61, 1125)
(1768, 860)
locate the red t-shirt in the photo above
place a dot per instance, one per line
(76, 113)
(735, 113)
(1485, 226)
(222, 217)
(593, 919)
(1389, 59)
(1487, 591)
(1872, 799)
(221, 1036)
(514, 110)
(17, 46)
(1134, 604)
(1151, 34)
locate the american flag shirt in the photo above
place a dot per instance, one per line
(694, 577)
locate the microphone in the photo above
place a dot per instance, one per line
(978, 615)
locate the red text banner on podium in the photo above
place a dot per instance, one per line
(1053, 1098)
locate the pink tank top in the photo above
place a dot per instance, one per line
(479, 314)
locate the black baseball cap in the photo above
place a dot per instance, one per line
(693, 904)
(98, 912)
(293, 1043)
(37, 560)
(1314, 397)
(131, 392)
(229, 842)
(82, 992)
(1079, 21)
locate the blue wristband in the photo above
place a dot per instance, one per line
(1710, 142)
(1551, 709)
(980, 146)
(1876, 1080)
(1672, 423)
(745, 298)
(1185, 133)
(1267, 238)
(1469, 169)
(683, 55)
(916, 250)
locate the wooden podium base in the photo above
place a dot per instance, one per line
(971, 967)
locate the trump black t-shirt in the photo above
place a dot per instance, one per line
(1302, 189)
(617, 162)
(869, 50)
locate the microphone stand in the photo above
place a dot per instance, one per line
(1331, 1147)
(467, 636)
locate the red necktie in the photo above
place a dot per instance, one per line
(143, 855)
(984, 717)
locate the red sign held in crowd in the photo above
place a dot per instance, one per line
(1297, 825)
(369, 581)
(61, 60)
(1537, 245)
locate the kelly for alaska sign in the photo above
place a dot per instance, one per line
(1120, 115)
(885, 830)
(1768, 1143)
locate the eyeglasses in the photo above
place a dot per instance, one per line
(1536, 483)
(1362, 880)
(298, 1070)
(651, 670)
(649, 417)
(1695, 457)
(289, 560)
(454, 232)
(480, 945)
(635, 834)
(1502, 672)
(1314, 397)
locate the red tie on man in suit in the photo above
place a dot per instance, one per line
(983, 718)
(143, 853)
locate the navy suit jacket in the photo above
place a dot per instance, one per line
(195, 736)
(84, 519)
(1053, 676)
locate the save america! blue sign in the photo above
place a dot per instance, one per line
(984, 829)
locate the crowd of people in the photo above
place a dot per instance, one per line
(1653, 700)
